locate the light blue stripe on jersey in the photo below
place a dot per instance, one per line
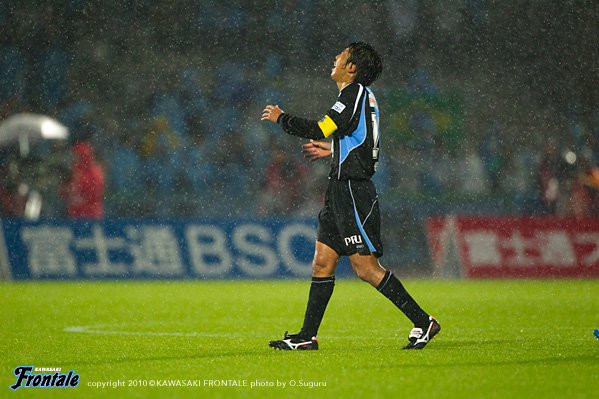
(370, 246)
(348, 143)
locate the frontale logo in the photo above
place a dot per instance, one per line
(27, 378)
(353, 240)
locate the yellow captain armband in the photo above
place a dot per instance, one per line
(327, 126)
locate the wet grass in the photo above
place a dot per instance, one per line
(499, 339)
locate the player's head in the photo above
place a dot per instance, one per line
(369, 64)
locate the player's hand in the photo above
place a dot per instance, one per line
(271, 113)
(316, 149)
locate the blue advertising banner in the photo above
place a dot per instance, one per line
(61, 249)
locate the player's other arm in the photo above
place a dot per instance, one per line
(316, 149)
(306, 128)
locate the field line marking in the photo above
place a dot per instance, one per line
(95, 330)
(90, 330)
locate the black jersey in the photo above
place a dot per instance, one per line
(354, 123)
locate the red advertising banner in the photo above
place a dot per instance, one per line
(530, 247)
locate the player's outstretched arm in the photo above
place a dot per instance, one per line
(293, 125)
(271, 113)
(316, 149)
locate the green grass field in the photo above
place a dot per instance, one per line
(499, 339)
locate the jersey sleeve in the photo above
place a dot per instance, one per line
(339, 117)
(300, 127)
(336, 119)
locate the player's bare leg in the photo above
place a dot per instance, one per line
(325, 261)
(368, 268)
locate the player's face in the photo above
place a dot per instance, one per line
(339, 71)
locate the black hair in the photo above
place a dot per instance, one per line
(368, 62)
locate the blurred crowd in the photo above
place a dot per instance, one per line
(163, 102)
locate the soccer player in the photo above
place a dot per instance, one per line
(349, 223)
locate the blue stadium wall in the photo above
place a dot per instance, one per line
(150, 249)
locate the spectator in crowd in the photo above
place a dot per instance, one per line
(52, 173)
(584, 190)
(12, 198)
(231, 172)
(548, 178)
(124, 164)
(12, 75)
(472, 177)
(491, 153)
(83, 192)
(278, 196)
(160, 157)
(199, 169)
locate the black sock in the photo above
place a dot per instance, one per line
(392, 288)
(320, 293)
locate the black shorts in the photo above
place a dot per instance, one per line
(350, 221)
